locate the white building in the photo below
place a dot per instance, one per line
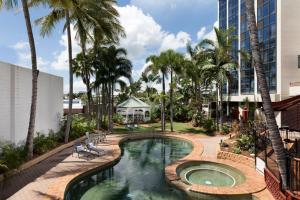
(134, 110)
(15, 102)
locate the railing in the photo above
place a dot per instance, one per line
(294, 175)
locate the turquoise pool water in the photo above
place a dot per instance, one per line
(139, 175)
(211, 174)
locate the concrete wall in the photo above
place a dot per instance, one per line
(15, 101)
(289, 48)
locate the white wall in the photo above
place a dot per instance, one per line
(15, 101)
(289, 44)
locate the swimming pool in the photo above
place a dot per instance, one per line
(139, 175)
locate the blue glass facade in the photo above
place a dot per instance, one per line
(233, 21)
(246, 69)
(222, 14)
(267, 28)
(266, 22)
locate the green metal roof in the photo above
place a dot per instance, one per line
(133, 102)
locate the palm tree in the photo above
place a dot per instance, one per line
(220, 62)
(87, 15)
(173, 61)
(114, 67)
(265, 95)
(30, 134)
(83, 67)
(149, 79)
(156, 67)
(193, 70)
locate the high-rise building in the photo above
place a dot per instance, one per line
(279, 37)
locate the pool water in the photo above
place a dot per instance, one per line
(139, 175)
(211, 174)
(210, 178)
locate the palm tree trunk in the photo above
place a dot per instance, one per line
(35, 72)
(171, 101)
(221, 105)
(217, 105)
(112, 106)
(265, 95)
(163, 122)
(98, 108)
(69, 118)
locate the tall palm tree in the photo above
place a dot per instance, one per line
(83, 67)
(173, 61)
(265, 95)
(156, 67)
(193, 70)
(86, 15)
(220, 62)
(149, 79)
(30, 134)
(114, 67)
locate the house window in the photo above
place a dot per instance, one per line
(298, 61)
(147, 114)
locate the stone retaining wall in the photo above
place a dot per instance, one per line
(236, 158)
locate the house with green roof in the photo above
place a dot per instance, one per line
(134, 110)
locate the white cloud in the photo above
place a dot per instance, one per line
(61, 60)
(201, 33)
(21, 45)
(171, 4)
(143, 33)
(175, 42)
(24, 56)
(145, 36)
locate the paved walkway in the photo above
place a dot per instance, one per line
(210, 145)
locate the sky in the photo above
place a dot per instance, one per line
(151, 27)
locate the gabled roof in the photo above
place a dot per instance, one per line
(133, 102)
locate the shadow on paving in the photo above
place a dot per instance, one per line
(18, 181)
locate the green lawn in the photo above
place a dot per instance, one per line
(178, 127)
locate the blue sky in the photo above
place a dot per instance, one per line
(151, 26)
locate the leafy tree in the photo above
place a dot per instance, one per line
(220, 62)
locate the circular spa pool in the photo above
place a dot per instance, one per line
(211, 174)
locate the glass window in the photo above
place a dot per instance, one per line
(272, 6)
(266, 34)
(266, 10)
(273, 19)
(273, 31)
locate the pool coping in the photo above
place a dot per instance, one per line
(61, 184)
(253, 183)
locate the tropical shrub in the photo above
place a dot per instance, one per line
(183, 113)
(3, 167)
(245, 142)
(208, 124)
(155, 113)
(12, 156)
(80, 125)
(225, 129)
(198, 119)
(237, 150)
(117, 118)
(42, 143)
